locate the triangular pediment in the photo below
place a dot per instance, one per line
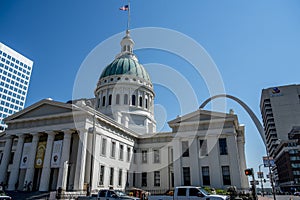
(42, 108)
(199, 115)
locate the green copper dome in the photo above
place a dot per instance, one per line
(125, 65)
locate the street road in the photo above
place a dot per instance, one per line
(279, 197)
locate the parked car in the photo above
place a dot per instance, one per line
(113, 195)
(189, 192)
(297, 193)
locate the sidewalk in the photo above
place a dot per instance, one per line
(264, 198)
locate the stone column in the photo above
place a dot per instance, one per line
(177, 166)
(30, 165)
(14, 172)
(45, 177)
(5, 158)
(65, 154)
(194, 162)
(80, 162)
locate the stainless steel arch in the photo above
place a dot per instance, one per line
(249, 111)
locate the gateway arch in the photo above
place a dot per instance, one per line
(249, 111)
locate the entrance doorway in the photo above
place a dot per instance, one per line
(36, 179)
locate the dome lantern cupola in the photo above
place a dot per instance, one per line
(125, 92)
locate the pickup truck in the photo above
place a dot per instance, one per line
(108, 194)
(189, 193)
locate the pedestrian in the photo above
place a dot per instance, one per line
(29, 186)
(25, 186)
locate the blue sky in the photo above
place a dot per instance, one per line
(254, 44)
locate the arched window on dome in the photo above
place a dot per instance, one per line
(146, 103)
(125, 99)
(103, 101)
(117, 99)
(109, 99)
(141, 101)
(124, 48)
(133, 100)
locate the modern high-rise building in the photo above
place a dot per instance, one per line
(15, 72)
(280, 109)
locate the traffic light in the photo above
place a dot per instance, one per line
(248, 172)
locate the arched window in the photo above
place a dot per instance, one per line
(133, 100)
(117, 99)
(141, 101)
(125, 99)
(146, 103)
(103, 101)
(109, 99)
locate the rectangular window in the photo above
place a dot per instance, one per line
(157, 178)
(144, 156)
(134, 156)
(144, 179)
(101, 175)
(11, 158)
(121, 156)
(203, 148)
(205, 175)
(133, 179)
(156, 156)
(186, 176)
(103, 148)
(185, 149)
(120, 177)
(111, 177)
(113, 149)
(226, 175)
(128, 154)
(223, 146)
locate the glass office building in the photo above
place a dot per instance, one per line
(15, 72)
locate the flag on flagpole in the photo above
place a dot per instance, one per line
(125, 7)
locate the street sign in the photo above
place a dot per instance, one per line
(268, 161)
(260, 175)
(256, 182)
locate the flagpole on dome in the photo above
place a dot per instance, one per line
(128, 18)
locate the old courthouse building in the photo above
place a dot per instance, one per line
(49, 143)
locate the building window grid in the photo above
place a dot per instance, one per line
(120, 177)
(128, 154)
(226, 175)
(185, 149)
(144, 179)
(157, 178)
(144, 156)
(21, 74)
(111, 176)
(101, 175)
(121, 155)
(103, 147)
(203, 147)
(223, 146)
(186, 176)
(205, 175)
(156, 156)
(113, 149)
